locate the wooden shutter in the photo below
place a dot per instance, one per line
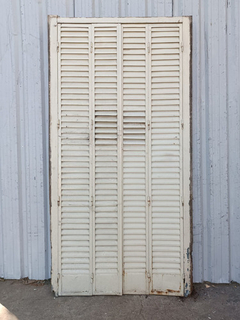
(134, 160)
(166, 159)
(107, 242)
(74, 174)
(120, 156)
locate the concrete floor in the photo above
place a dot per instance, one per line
(33, 300)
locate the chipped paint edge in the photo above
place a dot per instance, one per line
(53, 151)
(187, 154)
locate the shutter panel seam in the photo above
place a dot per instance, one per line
(92, 155)
(148, 153)
(59, 160)
(120, 146)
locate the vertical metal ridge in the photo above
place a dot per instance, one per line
(119, 8)
(45, 133)
(74, 8)
(20, 142)
(228, 140)
(93, 8)
(233, 80)
(196, 132)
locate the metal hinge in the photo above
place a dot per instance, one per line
(92, 200)
(58, 124)
(149, 124)
(58, 47)
(183, 277)
(92, 277)
(91, 124)
(58, 202)
(182, 201)
(148, 47)
(182, 124)
(91, 47)
(149, 200)
(182, 46)
(149, 276)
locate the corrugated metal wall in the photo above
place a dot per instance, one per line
(24, 208)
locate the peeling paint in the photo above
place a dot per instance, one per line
(165, 292)
(186, 294)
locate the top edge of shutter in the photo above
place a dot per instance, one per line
(168, 20)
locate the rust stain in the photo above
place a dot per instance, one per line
(166, 292)
(172, 291)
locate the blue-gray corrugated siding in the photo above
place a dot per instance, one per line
(24, 208)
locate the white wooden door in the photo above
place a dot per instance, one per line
(120, 162)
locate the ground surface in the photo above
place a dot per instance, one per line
(33, 300)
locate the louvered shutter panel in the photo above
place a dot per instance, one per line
(166, 160)
(134, 160)
(120, 212)
(108, 277)
(74, 160)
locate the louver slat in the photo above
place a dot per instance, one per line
(75, 165)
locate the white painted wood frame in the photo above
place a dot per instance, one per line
(93, 280)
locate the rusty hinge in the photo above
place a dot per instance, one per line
(183, 277)
(149, 125)
(149, 276)
(92, 277)
(182, 200)
(149, 200)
